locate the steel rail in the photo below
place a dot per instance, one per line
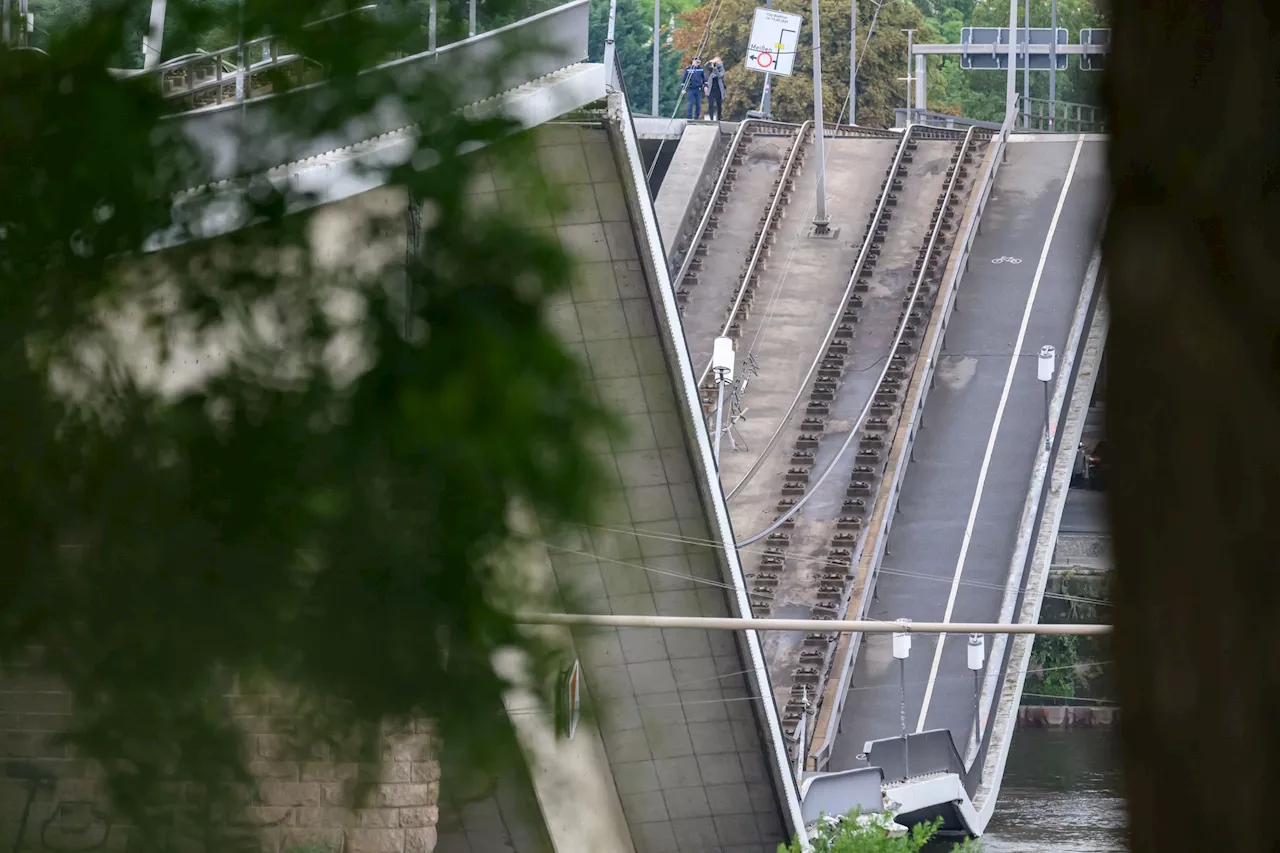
(888, 361)
(764, 236)
(835, 321)
(715, 193)
(836, 130)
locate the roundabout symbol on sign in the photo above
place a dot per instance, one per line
(1006, 260)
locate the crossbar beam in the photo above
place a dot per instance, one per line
(992, 49)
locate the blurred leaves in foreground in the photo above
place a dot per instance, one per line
(292, 453)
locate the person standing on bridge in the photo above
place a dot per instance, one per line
(715, 90)
(695, 83)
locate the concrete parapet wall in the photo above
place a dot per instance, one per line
(694, 163)
(300, 799)
(1067, 717)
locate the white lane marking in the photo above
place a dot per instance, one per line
(991, 439)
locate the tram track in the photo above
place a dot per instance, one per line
(714, 285)
(807, 564)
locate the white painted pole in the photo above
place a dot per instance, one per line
(1011, 84)
(153, 41)
(1026, 69)
(845, 626)
(657, 34)
(609, 47)
(473, 19)
(1053, 63)
(922, 68)
(820, 221)
(853, 62)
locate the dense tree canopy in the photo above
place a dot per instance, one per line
(633, 38)
(882, 62)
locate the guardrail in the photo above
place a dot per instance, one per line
(904, 117)
(1041, 115)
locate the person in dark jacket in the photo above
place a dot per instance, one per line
(695, 83)
(715, 90)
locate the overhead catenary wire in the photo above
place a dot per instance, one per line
(684, 85)
(817, 563)
(957, 680)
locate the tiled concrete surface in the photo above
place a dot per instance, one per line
(673, 706)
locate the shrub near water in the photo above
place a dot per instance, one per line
(852, 836)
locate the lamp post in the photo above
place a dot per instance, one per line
(820, 221)
(1044, 372)
(977, 652)
(902, 651)
(657, 59)
(722, 367)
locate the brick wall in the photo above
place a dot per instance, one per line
(298, 802)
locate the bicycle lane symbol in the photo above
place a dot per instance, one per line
(1005, 259)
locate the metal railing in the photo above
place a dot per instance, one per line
(1043, 116)
(214, 77)
(561, 34)
(904, 117)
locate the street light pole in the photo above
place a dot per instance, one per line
(657, 35)
(1026, 65)
(153, 41)
(902, 651)
(976, 653)
(853, 62)
(1011, 85)
(1053, 63)
(820, 222)
(1044, 372)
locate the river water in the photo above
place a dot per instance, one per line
(1061, 794)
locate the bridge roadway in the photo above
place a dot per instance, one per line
(950, 549)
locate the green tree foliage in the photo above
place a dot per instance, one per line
(883, 56)
(981, 94)
(332, 507)
(633, 38)
(878, 90)
(871, 833)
